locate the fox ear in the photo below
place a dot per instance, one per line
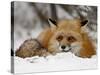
(84, 22)
(52, 23)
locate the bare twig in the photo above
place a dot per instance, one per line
(41, 16)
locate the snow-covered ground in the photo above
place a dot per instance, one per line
(59, 62)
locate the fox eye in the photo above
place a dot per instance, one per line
(59, 38)
(71, 39)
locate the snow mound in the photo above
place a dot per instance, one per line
(59, 62)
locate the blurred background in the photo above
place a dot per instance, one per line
(28, 19)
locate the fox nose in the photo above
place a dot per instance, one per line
(63, 47)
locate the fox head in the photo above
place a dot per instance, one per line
(67, 35)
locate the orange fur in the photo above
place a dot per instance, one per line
(88, 49)
(69, 27)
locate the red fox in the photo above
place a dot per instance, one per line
(66, 36)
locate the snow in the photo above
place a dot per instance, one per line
(59, 62)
